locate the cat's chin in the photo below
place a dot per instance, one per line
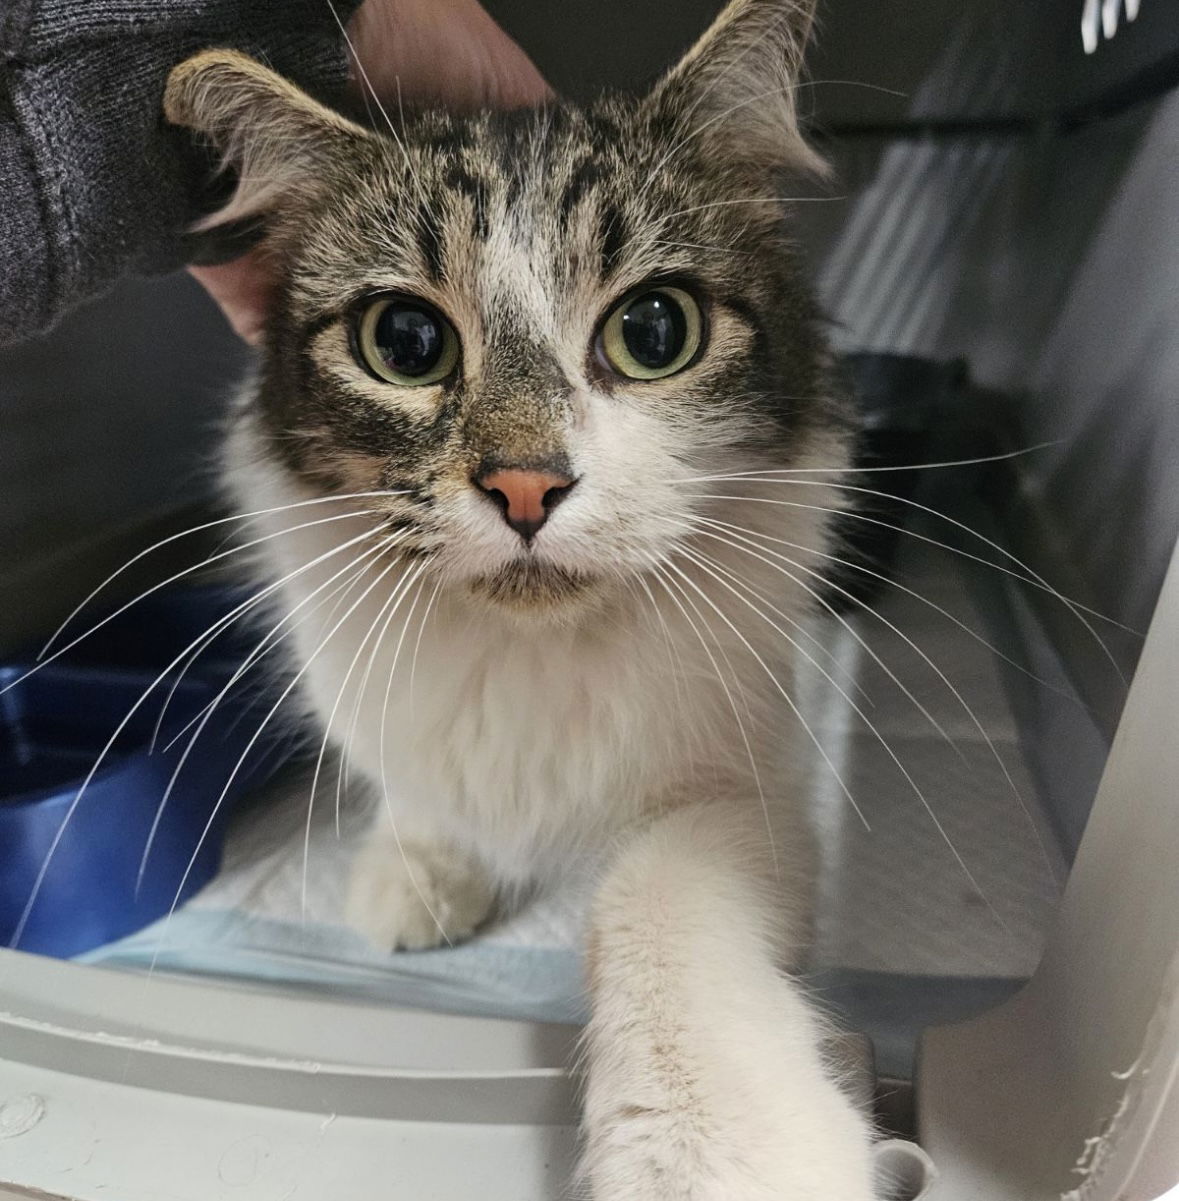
(537, 589)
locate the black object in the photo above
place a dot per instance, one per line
(900, 403)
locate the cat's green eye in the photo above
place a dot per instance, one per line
(406, 341)
(652, 334)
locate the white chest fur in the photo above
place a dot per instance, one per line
(523, 740)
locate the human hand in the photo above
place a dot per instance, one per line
(449, 52)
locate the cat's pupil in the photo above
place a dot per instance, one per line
(409, 339)
(654, 329)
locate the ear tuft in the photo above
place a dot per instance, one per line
(276, 137)
(738, 85)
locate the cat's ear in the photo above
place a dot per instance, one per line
(737, 87)
(280, 145)
(277, 139)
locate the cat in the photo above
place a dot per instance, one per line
(526, 383)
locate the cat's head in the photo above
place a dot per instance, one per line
(541, 327)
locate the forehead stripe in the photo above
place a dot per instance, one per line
(585, 176)
(613, 235)
(476, 190)
(429, 241)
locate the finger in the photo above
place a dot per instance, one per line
(440, 51)
(242, 290)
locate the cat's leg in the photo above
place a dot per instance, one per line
(416, 892)
(706, 1078)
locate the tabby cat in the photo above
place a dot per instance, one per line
(523, 380)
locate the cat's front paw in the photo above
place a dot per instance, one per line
(416, 895)
(647, 1181)
(686, 1154)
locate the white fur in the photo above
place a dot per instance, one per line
(408, 896)
(706, 1077)
(501, 746)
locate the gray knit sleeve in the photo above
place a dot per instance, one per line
(93, 184)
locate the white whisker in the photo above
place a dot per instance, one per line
(916, 788)
(697, 130)
(662, 578)
(197, 529)
(44, 662)
(286, 692)
(77, 799)
(755, 200)
(391, 604)
(202, 719)
(674, 658)
(967, 708)
(816, 595)
(790, 701)
(265, 647)
(851, 469)
(367, 86)
(270, 641)
(1032, 579)
(692, 522)
(385, 788)
(417, 646)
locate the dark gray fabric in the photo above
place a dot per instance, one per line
(93, 185)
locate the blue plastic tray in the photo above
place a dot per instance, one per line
(83, 874)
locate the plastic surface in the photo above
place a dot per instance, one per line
(261, 1095)
(82, 866)
(1070, 1091)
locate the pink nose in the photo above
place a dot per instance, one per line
(526, 498)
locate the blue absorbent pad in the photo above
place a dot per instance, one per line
(481, 978)
(256, 921)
